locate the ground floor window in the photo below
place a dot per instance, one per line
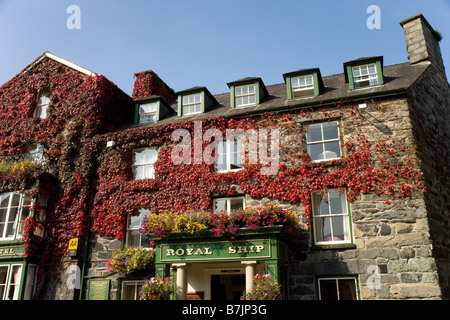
(342, 288)
(31, 282)
(12, 282)
(130, 290)
(10, 275)
(134, 236)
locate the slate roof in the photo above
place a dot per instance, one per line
(397, 78)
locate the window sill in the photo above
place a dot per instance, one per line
(227, 171)
(336, 246)
(326, 163)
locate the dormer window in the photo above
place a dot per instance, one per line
(192, 104)
(245, 95)
(194, 101)
(247, 92)
(364, 72)
(42, 106)
(365, 75)
(303, 83)
(302, 86)
(151, 110)
(147, 112)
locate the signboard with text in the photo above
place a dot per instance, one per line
(219, 250)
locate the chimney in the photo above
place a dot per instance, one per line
(422, 41)
(148, 84)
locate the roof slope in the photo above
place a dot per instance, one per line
(397, 78)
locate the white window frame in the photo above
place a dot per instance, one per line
(225, 147)
(227, 206)
(135, 284)
(36, 153)
(323, 141)
(17, 225)
(150, 164)
(300, 88)
(318, 217)
(42, 107)
(142, 213)
(368, 76)
(336, 279)
(192, 105)
(240, 97)
(7, 284)
(151, 113)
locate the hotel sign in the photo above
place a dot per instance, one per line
(220, 250)
(8, 252)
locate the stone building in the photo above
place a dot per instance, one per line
(360, 158)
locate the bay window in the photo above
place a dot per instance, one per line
(14, 208)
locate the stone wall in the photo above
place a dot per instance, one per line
(429, 99)
(393, 236)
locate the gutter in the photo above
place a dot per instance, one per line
(323, 104)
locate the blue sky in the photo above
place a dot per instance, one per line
(209, 43)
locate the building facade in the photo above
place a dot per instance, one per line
(347, 175)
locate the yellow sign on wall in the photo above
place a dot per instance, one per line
(73, 247)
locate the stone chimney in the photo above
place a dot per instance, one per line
(149, 84)
(422, 41)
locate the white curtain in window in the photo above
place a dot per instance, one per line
(14, 282)
(220, 205)
(143, 163)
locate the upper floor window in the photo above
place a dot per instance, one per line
(192, 104)
(364, 72)
(245, 95)
(147, 112)
(229, 155)
(227, 205)
(302, 86)
(14, 208)
(365, 75)
(247, 92)
(134, 237)
(42, 107)
(303, 83)
(323, 141)
(36, 153)
(143, 165)
(331, 221)
(194, 101)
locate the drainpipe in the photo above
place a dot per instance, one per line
(86, 242)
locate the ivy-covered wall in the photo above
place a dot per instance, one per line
(81, 106)
(379, 169)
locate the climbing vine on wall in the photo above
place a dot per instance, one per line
(80, 107)
(84, 109)
(366, 166)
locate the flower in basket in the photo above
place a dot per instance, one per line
(265, 288)
(157, 289)
(131, 258)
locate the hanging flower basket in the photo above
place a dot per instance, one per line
(157, 289)
(265, 288)
(131, 259)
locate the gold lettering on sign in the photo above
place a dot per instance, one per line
(188, 252)
(7, 251)
(245, 249)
